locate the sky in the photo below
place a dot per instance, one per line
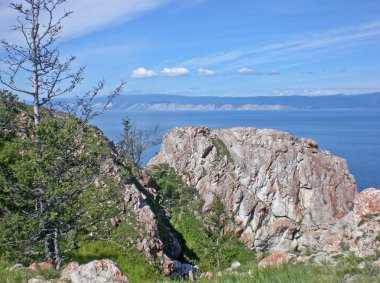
(222, 47)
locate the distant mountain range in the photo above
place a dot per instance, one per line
(158, 102)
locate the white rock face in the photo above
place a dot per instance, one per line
(282, 192)
(97, 271)
(358, 231)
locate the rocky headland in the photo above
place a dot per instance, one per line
(286, 200)
(283, 193)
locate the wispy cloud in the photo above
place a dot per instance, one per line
(206, 72)
(174, 72)
(88, 16)
(247, 71)
(214, 59)
(143, 73)
(301, 46)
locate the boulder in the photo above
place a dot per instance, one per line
(276, 258)
(97, 271)
(178, 270)
(206, 275)
(376, 264)
(235, 265)
(40, 266)
(323, 258)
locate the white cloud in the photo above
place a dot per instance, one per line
(206, 72)
(246, 71)
(174, 72)
(142, 73)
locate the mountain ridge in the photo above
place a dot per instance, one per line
(159, 102)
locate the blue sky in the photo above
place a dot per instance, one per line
(224, 47)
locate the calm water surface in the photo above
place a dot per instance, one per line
(351, 134)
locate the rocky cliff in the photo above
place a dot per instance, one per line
(282, 192)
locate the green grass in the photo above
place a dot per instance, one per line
(134, 266)
(23, 275)
(297, 273)
(130, 261)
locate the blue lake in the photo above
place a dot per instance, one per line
(351, 134)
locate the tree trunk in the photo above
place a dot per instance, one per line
(35, 26)
(217, 253)
(49, 248)
(57, 251)
(36, 110)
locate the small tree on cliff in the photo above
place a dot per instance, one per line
(221, 248)
(134, 143)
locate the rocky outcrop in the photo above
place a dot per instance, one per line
(157, 239)
(275, 258)
(358, 231)
(139, 195)
(97, 271)
(282, 192)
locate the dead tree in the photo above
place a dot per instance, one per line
(38, 58)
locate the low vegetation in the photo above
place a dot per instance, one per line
(221, 148)
(206, 242)
(129, 259)
(22, 275)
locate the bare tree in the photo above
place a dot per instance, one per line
(38, 58)
(84, 107)
(134, 142)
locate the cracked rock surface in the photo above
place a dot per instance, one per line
(282, 192)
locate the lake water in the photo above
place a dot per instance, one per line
(351, 134)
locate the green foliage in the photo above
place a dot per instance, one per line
(221, 148)
(119, 245)
(204, 240)
(50, 193)
(9, 110)
(222, 247)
